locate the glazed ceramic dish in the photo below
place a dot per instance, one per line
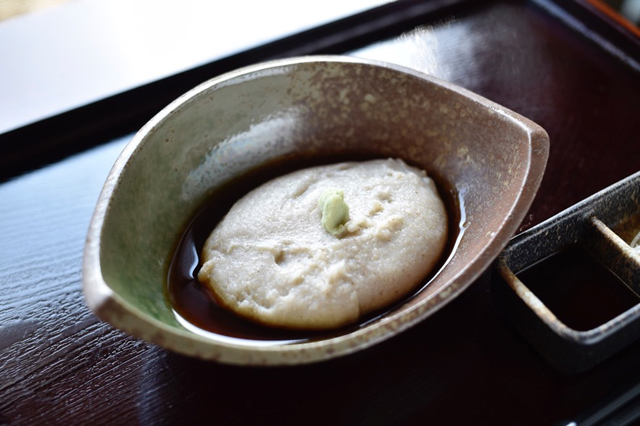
(490, 157)
(603, 226)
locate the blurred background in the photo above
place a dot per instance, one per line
(629, 9)
(11, 8)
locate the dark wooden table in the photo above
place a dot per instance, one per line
(463, 365)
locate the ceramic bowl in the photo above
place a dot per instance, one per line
(491, 158)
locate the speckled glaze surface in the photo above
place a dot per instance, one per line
(308, 106)
(604, 226)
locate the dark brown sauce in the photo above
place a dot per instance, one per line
(195, 305)
(581, 292)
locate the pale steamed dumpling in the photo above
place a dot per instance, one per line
(272, 260)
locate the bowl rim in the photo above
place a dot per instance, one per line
(109, 306)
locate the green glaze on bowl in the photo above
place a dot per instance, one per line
(302, 107)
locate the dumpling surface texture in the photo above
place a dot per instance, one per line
(271, 260)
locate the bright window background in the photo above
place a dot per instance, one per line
(11, 8)
(67, 55)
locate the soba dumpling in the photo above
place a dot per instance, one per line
(320, 247)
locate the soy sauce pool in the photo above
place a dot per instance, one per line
(195, 306)
(578, 289)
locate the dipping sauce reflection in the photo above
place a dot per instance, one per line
(581, 292)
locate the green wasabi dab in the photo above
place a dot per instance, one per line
(335, 212)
